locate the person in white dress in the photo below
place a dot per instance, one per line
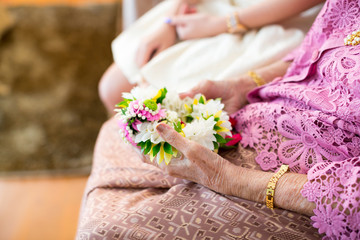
(178, 43)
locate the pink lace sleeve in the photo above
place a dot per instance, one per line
(335, 189)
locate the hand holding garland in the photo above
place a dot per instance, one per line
(233, 92)
(201, 165)
(205, 167)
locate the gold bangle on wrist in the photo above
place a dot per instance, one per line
(233, 24)
(256, 78)
(270, 190)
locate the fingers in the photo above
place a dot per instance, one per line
(187, 8)
(180, 20)
(173, 138)
(206, 87)
(144, 54)
(176, 21)
(195, 90)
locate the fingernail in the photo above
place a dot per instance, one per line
(160, 127)
(167, 20)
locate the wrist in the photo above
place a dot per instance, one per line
(221, 24)
(166, 27)
(246, 83)
(247, 183)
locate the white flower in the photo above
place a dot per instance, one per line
(201, 131)
(172, 116)
(172, 101)
(224, 117)
(143, 94)
(127, 95)
(147, 131)
(210, 108)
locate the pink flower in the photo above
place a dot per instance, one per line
(235, 139)
(311, 191)
(343, 14)
(331, 135)
(350, 196)
(355, 221)
(331, 188)
(138, 108)
(347, 174)
(123, 128)
(267, 160)
(135, 123)
(329, 221)
(322, 100)
(305, 147)
(251, 135)
(354, 147)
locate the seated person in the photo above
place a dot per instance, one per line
(306, 116)
(216, 40)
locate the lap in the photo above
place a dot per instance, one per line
(127, 199)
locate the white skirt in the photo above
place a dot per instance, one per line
(182, 66)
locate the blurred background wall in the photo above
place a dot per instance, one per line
(51, 59)
(52, 55)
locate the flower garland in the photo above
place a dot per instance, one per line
(197, 119)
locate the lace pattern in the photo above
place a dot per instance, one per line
(310, 120)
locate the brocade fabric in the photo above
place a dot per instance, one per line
(310, 120)
(128, 199)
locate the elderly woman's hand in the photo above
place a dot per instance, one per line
(196, 162)
(232, 92)
(199, 164)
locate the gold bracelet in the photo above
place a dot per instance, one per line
(270, 190)
(233, 24)
(256, 78)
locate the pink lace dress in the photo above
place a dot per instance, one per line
(310, 120)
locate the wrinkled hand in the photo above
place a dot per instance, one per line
(196, 162)
(151, 45)
(198, 25)
(232, 92)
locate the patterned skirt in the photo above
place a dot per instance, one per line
(128, 199)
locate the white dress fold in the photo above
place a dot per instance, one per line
(225, 56)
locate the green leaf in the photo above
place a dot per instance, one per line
(147, 147)
(216, 145)
(163, 95)
(168, 148)
(123, 104)
(216, 119)
(206, 118)
(202, 100)
(189, 119)
(156, 149)
(141, 145)
(219, 138)
(177, 126)
(151, 104)
(217, 128)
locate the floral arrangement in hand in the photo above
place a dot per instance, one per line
(197, 119)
